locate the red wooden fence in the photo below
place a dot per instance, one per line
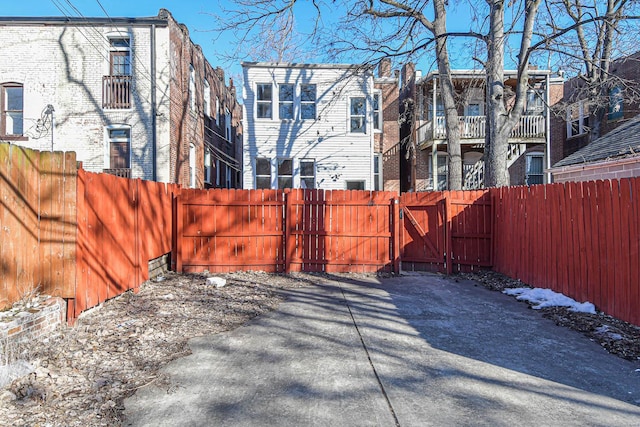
(122, 224)
(581, 239)
(37, 223)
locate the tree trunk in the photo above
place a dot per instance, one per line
(447, 91)
(496, 141)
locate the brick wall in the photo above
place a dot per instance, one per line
(611, 169)
(35, 321)
(388, 141)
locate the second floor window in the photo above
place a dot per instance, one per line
(377, 112)
(207, 99)
(120, 57)
(227, 124)
(357, 116)
(285, 97)
(11, 123)
(308, 102)
(264, 99)
(192, 88)
(577, 119)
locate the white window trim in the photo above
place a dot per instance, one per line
(192, 88)
(255, 171)
(107, 145)
(293, 102)
(529, 156)
(228, 128)
(301, 102)
(380, 121)
(293, 171)
(217, 115)
(207, 166)
(580, 118)
(299, 176)
(119, 34)
(366, 113)
(192, 166)
(377, 159)
(274, 99)
(207, 98)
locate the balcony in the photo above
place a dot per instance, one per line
(116, 92)
(472, 130)
(121, 172)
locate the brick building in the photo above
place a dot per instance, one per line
(131, 96)
(387, 136)
(619, 101)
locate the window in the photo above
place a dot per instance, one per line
(535, 169)
(535, 103)
(616, 101)
(358, 115)
(473, 109)
(355, 185)
(227, 125)
(217, 111)
(577, 119)
(120, 56)
(207, 166)
(263, 172)
(285, 173)
(12, 110)
(442, 171)
(228, 177)
(308, 102)
(285, 97)
(263, 101)
(207, 99)
(377, 113)
(119, 148)
(192, 166)
(218, 166)
(307, 173)
(377, 171)
(192, 88)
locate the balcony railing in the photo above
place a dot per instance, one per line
(116, 92)
(122, 172)
(473, 127)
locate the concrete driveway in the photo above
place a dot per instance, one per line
(416, 350)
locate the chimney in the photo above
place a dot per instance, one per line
(384, 68)
(408, 74)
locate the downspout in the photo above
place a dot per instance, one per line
(548, 127)
(154, 141)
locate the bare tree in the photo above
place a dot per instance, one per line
(599, 32)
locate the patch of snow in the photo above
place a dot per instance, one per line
(217, 281)
(542, 298)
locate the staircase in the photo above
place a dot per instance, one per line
(474, 175)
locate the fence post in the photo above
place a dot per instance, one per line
(447, 236)
(395, 235)
(288, 244)
(178, 230)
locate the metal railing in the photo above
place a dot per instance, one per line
(121, 172)
(473, 127)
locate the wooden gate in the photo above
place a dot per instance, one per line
(445, 231)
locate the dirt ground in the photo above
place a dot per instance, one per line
(82, 376)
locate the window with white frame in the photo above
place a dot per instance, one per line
(217, 111)
(285, 99)
(377, 171)
(307, 173)
(119, 56)
(263, 172)
(616, 104)
(208, 169)
(218, 172)
(12, 102)
(535, 169)
(264, 100)
(442, 171)
(207, 99)
(535, 103)
(308, 102)
(285, 173)
(357, 115)
(192, 166)
(227, 181)
(355, 185)
(377, 111)
(119, 142)
(577, 119)
(192, 88)
(227, 125)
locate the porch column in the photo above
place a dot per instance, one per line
(434, 146)
(547, 126)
